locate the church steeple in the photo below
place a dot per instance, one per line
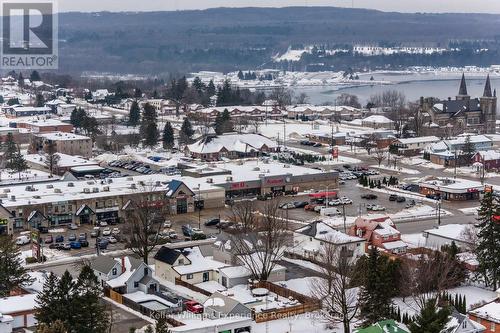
(463, 87)
(487, 87)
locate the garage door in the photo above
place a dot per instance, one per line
(18, 322)
(31, 320)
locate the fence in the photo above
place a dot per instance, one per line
(117, 297)
(308, 304)
(192, 287)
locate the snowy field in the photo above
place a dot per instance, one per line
(399, 169)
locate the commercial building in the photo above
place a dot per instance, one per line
(65, 143)
(17, 111)
(43, 125)
(451, 189)
(64, 163)
(64, 202)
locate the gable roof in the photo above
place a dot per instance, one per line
(322, 231)
(169, 256)
(384, 326)
(103, 264)
(226, 305)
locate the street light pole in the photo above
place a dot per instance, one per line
(439, 212)
(199, 206)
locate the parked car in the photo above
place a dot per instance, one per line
(43, 230)
(345, 201)
(186, 230)
(115, 231)
(212, 222)
(410, 204)
(167, 224)
(335, 202)
(401, 199)
(55, 246)
(66, 246)
(49, 239)
(369, 196)
(317, 145)
(318, 208)
(329, 212)
(393, 197)
(72, 226)
(75, 245)
(95, 232)
(287, 205)
(310, 207)
(300, 204)
(59, 238)
(378, 208)
(82, 236)
(23, 240)
(103, 224)
(102, 243)
(193, 306)
(72, 237)
(84, 243)
(106, 232)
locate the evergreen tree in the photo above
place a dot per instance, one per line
(198, 85)
(91, 316)
(430, 319)
(64, 305)
(149, 129)
(488, 244)
(468, 150)
(211, 88)
(47, 307)
(240, 75)
(9, 148)
(77, 117)
(51, 157)
(12, 272)
(40, 101)
(17, 164)
(134, 116)
(13, 101)
(168, 136)
(187, 131)
(375, 298)
(35, 76)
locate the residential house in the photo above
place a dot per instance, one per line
(384, 326)
(462, 235)
(309, 241)
(460, 323)
(129, 276)
(450, 152)
(488, 315)
(490, 160)
(412, 146)
(379, 231)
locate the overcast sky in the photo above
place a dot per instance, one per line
(467, 6)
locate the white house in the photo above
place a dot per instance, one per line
(462, 234)
(125, 275)
(308, 241)
(6, 323)
(413, 146)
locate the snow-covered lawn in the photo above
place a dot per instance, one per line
(303, 286)
(470, 210)
(418, 161)
(341, 160)
(418, 212)
(471, 171)
(413, 240)
(50, 254)
(399, 169)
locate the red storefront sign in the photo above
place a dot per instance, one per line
(335, 152)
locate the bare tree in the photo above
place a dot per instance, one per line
(254, 124)
(302, 98)
(339, 301)
(282, 96)
(244, 212)
(416, 117)
(348, 100)
(380, 155)
(263, 243)
(431, 274)
(145, 213)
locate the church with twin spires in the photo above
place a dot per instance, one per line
(461, 115)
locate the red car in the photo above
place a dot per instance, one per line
(194, 307)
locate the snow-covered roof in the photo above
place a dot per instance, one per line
(65, 161)
(14, 304)
(394, 245)
(386, 229)
(489, 155)
(231, 142)
(62, 136)
(131, 265)
(489, 311)
(452, 231)
(199, 263)
(420, 139)
(325, 232)
(456, 185)
(377, 119)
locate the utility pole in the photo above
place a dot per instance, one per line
(439, 212)
(284, 134)
(199, 206)
(455, 169)
(343, 214)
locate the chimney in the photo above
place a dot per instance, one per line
(123, 265)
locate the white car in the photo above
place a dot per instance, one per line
(103, 224)
(106, 232)
(72, 226)
(115, 231)
(167, 224)
(378, 208)
(335, 202)
(22, 240)
(317, 209)
(345, 201)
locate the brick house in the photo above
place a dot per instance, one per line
(379, 231)
(488, 315)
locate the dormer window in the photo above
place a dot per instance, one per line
(114, 271)
(181, 261)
